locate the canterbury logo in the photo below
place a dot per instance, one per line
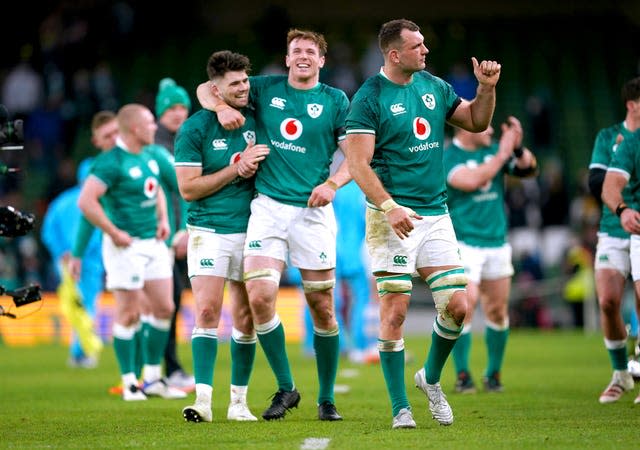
(397, 108)
(255, 244)
(400, 260)
(206, 262)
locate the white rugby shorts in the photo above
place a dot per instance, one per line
(431, 243)
(486, 263)
(214, 254)
(306, 235)
(613, 253)
(129, 267)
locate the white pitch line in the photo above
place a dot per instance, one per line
(315, 444)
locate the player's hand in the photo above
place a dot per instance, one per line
(250, 159)
(509, 140)
(179, 244)
(630, 221)
(515, 125)
(74, 265)
(400, 218)
(230, 118)
(163, 230)
(322, 195)
(121, 238)
(487, 72)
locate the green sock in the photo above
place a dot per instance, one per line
(138, 350)
(618, 357)
(496, 341)
(125, 354)
(438, 353)
(204, 345)
(273, 344)
(392, 363)
(327, 347)
(155, 342)
(242, 357)
(460, 353)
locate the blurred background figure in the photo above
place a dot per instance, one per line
(77, 301)
(476, 168)
(172, 109)
(60, 229)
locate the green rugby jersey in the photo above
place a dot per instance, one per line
(302, 129)
(604, 150)
(478, 217)
(203, 142)
(132, 181)
(408, 122)
(627, 161)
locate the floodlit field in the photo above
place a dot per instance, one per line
(552, 382)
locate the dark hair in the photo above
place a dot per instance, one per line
(389, 34)
(631, 90)
(225, 61)
(317, 38)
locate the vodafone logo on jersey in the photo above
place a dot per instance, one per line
(421, 128)
(291, 129)
(150, 187)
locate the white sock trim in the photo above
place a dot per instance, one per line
(160, 324)
(326, 333)
(123, 332)
(497, 327)
(390, 345)
(269, 326)
(611, 344)
(240, 338)
(211, 333)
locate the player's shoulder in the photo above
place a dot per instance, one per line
(111, 155)
(427, 78)
(611, 132)
(265, 81)
(198, 119)
(370, 89)
(338, 95)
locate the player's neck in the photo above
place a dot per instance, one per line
(631, 124)
(396, 75)
(303, 83)
(131, 144)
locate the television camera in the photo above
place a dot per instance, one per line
(14, 223)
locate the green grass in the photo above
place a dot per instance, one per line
(552, 382)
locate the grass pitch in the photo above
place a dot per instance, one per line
(552, 382)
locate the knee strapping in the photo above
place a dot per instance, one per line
(397, 284)
(315, 286)
(445, 326)
(443, 284)
(263, 274)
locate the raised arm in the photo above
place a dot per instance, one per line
(476, 115)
